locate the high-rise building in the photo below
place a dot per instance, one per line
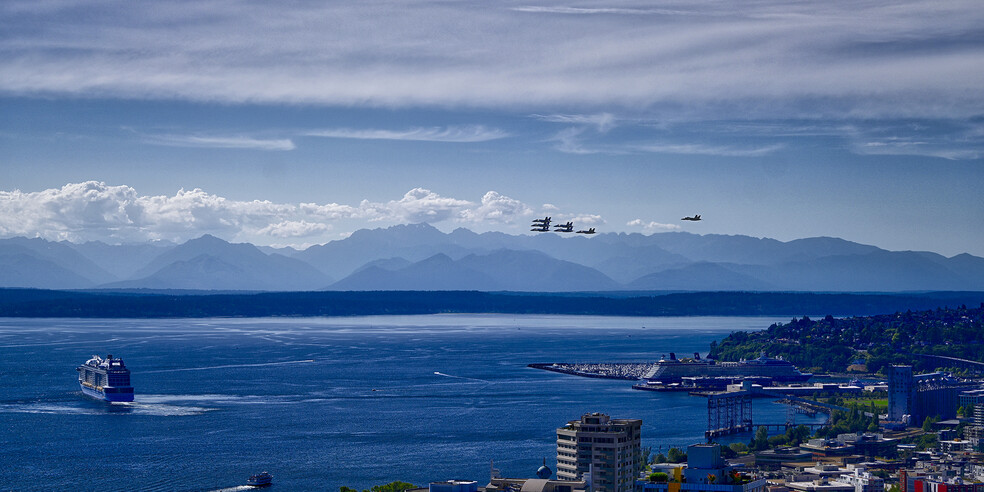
(600, 449)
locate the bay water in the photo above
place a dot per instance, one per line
(326, 402)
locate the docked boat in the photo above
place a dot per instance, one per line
(672, 370)
(105, 379)
(260, 480)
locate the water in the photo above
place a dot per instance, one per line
(324, 402)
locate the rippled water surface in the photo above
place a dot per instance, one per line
(324, 402)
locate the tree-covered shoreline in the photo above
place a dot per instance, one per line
(873, 342)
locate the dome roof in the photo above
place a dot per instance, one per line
(544, 471)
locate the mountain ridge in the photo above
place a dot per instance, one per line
(421, 257)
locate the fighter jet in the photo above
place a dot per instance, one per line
(589, 231)
(568, 227)
(541, 225)
(694, 218)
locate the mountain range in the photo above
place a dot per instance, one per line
(421, 257)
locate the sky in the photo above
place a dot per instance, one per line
(297, 123)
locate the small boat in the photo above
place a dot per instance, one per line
(263, 479)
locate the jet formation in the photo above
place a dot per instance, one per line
(543, 225)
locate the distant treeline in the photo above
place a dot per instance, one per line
(137, 304)
(833, 345)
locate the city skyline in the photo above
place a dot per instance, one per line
(296, 126)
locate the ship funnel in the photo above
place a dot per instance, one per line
(696, 355)
(672, 356)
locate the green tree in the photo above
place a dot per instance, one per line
(659, 477)
(739, 447)
(396, 486)
(674, 455)
(660, 458)
(393, 487)
(761, 439)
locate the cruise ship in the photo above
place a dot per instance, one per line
(105, 379)
(673, 370)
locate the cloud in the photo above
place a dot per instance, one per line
(497, 208)
(951, 140)
(455, 134)
(297, 228)
(233, 142)
(568, 141)
(653, 226)
(588, 219)
(596, 11)
(602, 121)
(701, 149)
(768, 59)
(93, 210)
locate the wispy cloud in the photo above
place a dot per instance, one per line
(455, 134)
(221, 142)
(590, 11)
(602, 121)
(702, 149)
(901, 146)
(568, 141)
(836, 59)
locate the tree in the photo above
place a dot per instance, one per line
(674, 455)
(739, 447)
(660, 458)
(393, 487)
(396, 486)
(761, 439)
(659, 477)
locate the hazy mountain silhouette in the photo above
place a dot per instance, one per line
(62, 255)
(501, 270)
(211, 263)
(420, 257)
(26, 270)
(700, 276)
(121, 260)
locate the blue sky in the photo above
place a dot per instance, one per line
(298, 123)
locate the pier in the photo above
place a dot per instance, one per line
(731, 413)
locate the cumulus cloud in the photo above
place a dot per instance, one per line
(497, 208)
(417, 205)
(296, 228)
(117, 213)
(588, 219)
(653, 226)
(454, 134)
